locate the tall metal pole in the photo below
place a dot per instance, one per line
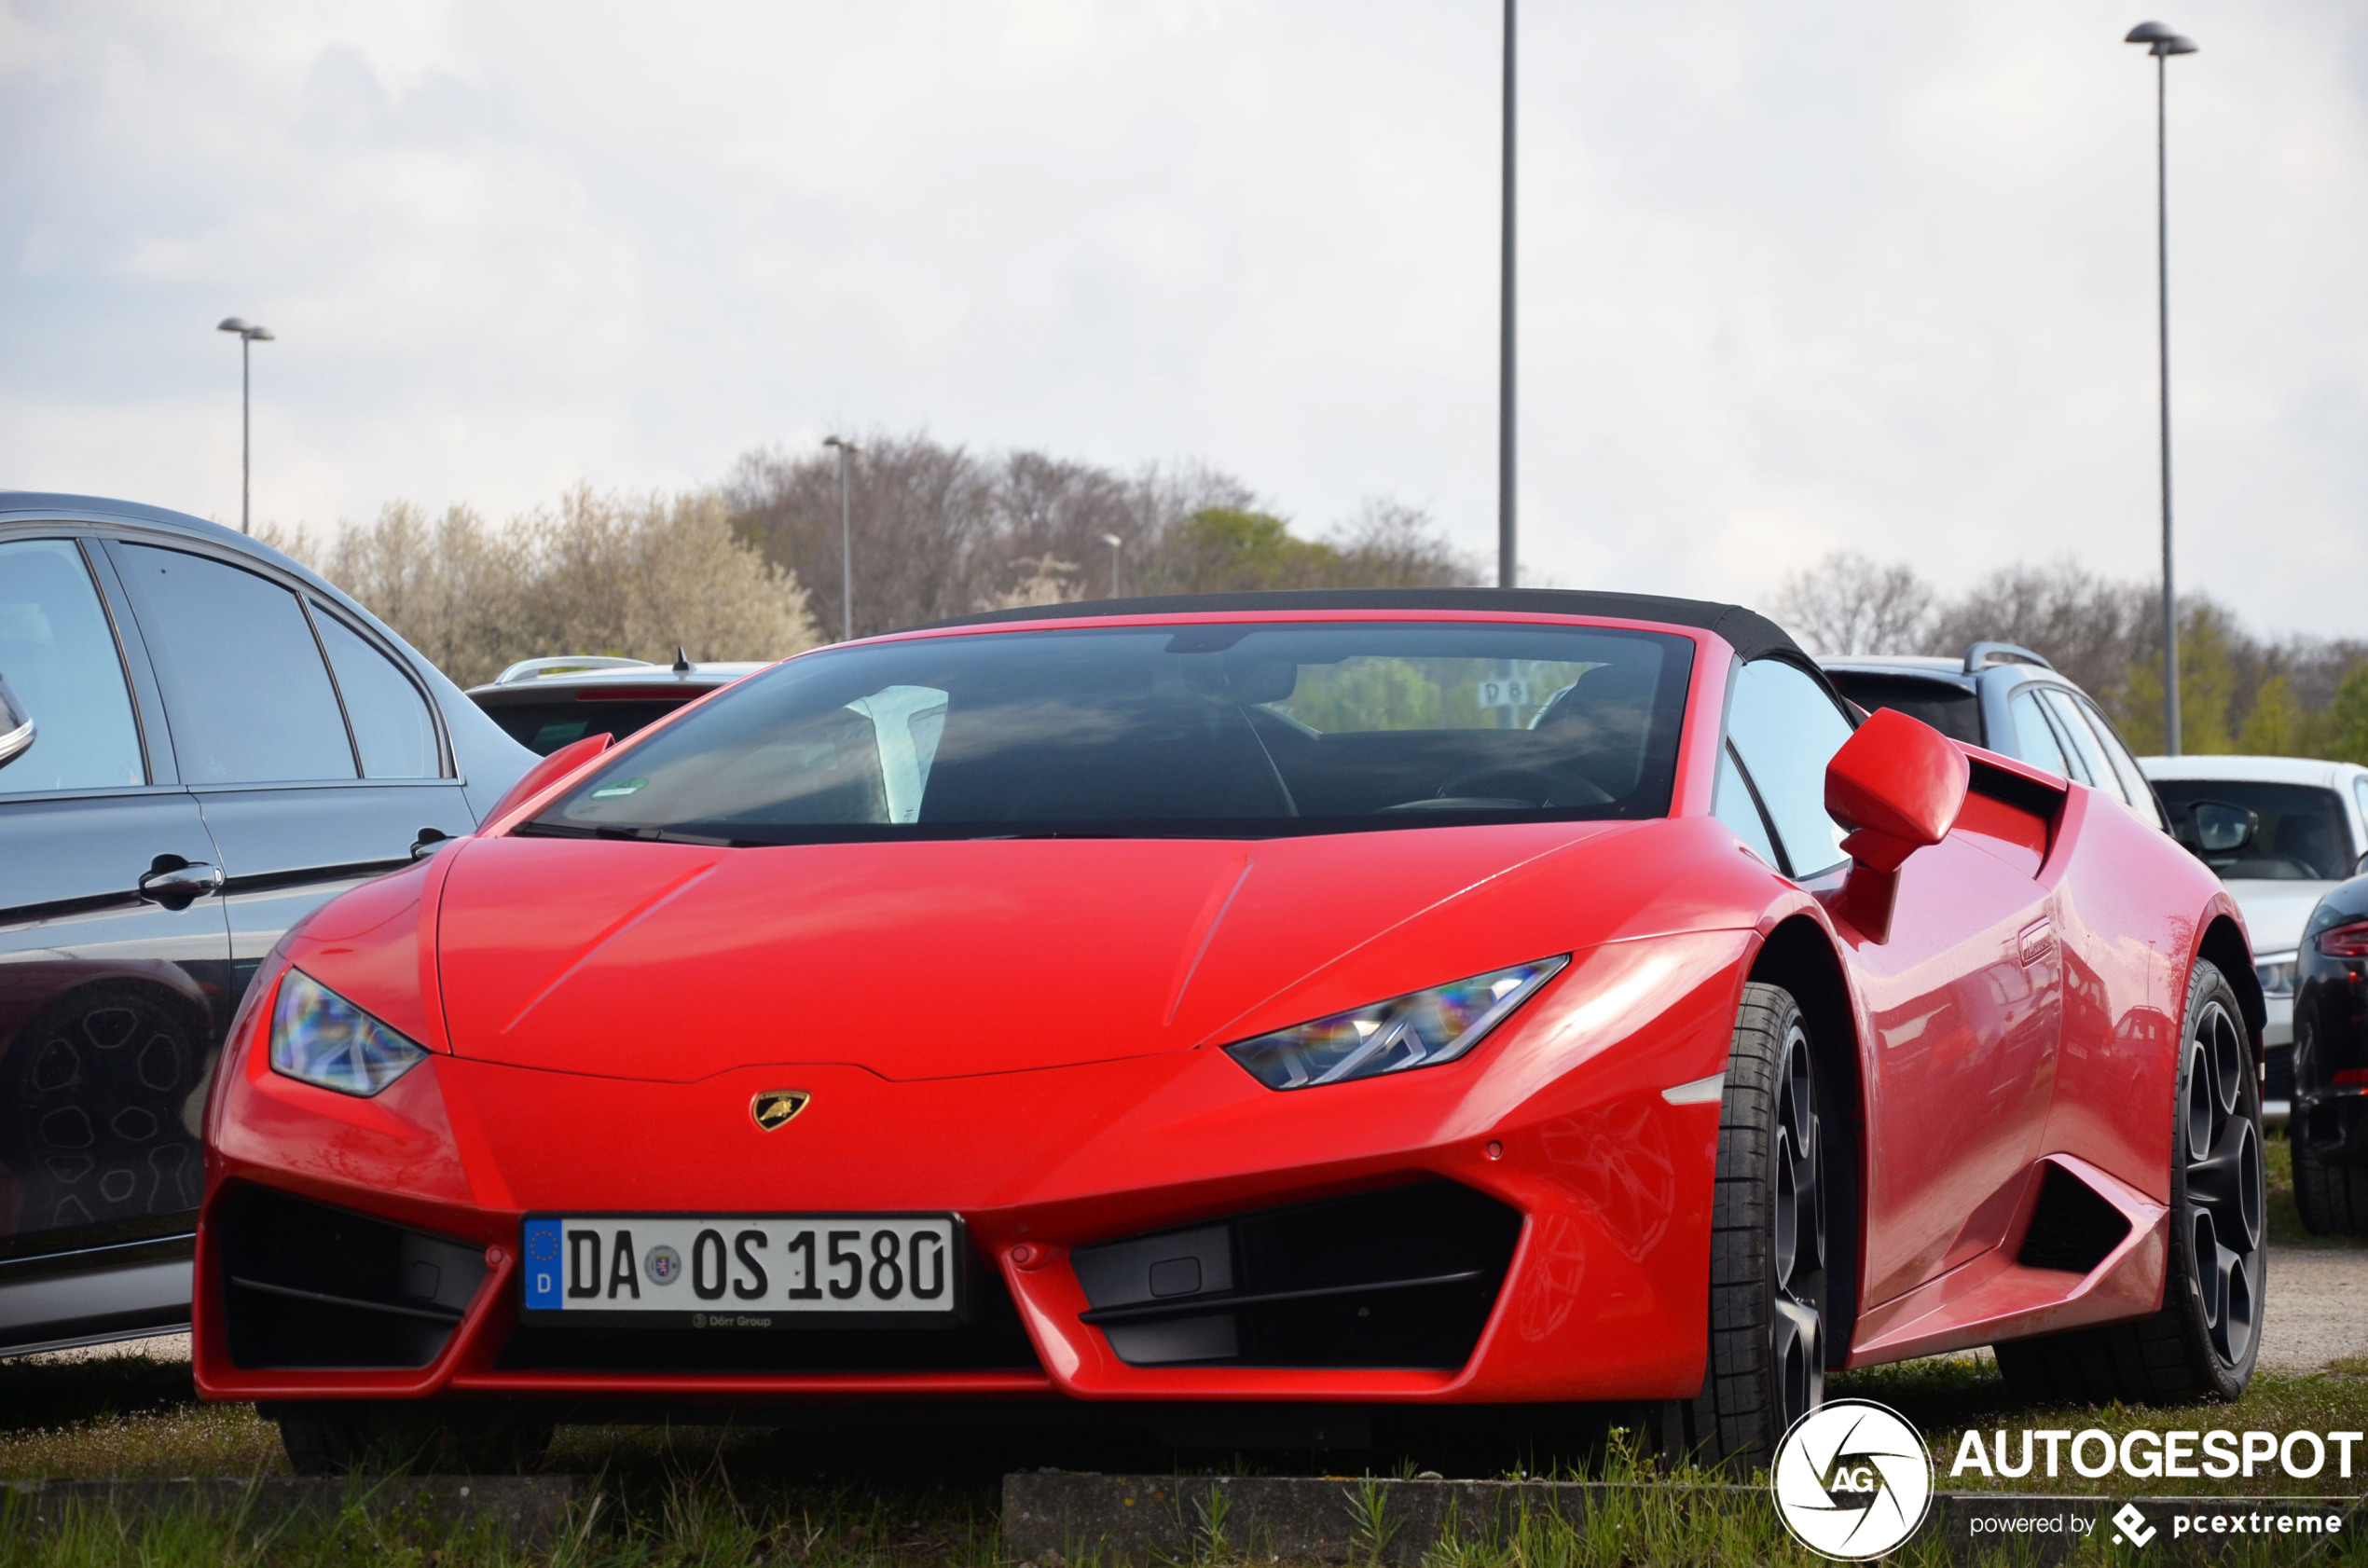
(1507, 554)
(246, 427)
(847, 556)
(2162, 297)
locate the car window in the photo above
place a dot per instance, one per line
(564, 717)
(1733, 805)
(2298, 833)
(1787, 729)
(2102, 776)
(244, 683)
(1946, 707)
(58, 654)
(2133, 778)
(1234, 730)
(392, 726)
(2360, 793)
(2034, 737)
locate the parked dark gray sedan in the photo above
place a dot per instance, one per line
(201, 742)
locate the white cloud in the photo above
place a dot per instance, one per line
(1792, 277)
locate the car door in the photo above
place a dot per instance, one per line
(114, 965)
(1963, 994)
(316, 759)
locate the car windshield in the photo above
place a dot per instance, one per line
(1210, 730)
(2298, 834)
(566, 717)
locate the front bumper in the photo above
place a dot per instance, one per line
(1559, 1117)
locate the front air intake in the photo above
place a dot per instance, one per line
(306, 1284)
(1401, 1278)
(2072, 1229)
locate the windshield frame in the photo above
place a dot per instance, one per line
(1667, 746)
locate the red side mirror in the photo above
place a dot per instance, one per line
(1896, 786)
(558, 765)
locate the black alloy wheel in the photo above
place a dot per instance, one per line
(2202, 1343)
(1768, 1248)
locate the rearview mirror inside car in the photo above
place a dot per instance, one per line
(1895, 786)
(2221, 828)
(16, 728)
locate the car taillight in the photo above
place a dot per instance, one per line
(2351, 1077)
(2345, 941)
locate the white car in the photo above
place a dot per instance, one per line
(2279, 832)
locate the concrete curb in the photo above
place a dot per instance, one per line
(1058, 1517)
(533, 1511)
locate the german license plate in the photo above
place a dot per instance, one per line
(742, 1271)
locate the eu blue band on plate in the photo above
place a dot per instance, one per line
(542, 1253)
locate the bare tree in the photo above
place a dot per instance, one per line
(2091, 628)
(634, 576)
(1391, 544)
(1849, 604)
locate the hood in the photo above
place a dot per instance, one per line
(2275, 911)
(928, 959)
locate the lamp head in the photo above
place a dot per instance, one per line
(1113, 540)
(233, 323)
(260, 333)
(2160, 39)
(842, 443)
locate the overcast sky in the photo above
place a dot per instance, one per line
(1793, 276)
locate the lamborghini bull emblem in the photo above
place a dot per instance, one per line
(775, 1108)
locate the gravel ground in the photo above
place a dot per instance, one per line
(2317, 1308)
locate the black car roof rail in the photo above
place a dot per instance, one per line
(1981, 655)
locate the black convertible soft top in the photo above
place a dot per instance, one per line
(1751, 635)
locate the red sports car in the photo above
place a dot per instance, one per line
(1297, 1001)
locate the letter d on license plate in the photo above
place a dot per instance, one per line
(742, 1271)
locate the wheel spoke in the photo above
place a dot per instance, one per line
(2240, 1302)
(2228, 1181)
(1801, 1357)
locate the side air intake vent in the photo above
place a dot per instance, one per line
(1403, 1277)
(304, 1285)
(2072, 1230)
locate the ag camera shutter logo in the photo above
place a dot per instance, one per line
(1853, 1480)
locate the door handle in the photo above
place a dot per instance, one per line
(176, 883)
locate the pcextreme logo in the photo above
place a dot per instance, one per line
(2130, 1525)
(1853, 1480)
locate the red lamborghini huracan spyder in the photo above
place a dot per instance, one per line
(1304, 1001)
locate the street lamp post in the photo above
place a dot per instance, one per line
(1507, 558)
(846, 541)
(2162, 43)
(248, 337)
(1116, 544)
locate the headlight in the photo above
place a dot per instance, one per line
(319, 1038)
(1421, 1029)
(2277, 974)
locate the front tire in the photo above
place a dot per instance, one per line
(2333, 1199)
(2204, 1340)
(1767, 1260)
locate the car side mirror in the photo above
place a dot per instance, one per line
(1895, 786)
(17, 727)
(2219, 828)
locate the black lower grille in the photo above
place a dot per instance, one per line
(2072, 1229)
(2279, 1082)
(991, 1338)
(1403, 1277)
(306, 1284)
